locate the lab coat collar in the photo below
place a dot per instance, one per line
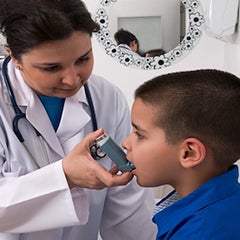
(38, 117)
(69, 132)
(22, 91)
(74, 117)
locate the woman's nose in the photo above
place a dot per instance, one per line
(71, 76)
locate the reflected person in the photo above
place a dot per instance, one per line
(127, 42)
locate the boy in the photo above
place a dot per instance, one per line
(186, 133)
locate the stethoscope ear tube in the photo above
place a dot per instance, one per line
(18, 113)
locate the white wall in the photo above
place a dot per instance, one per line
(2, 45)
(209, 53)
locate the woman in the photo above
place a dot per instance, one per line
(50, 186)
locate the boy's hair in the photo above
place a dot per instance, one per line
(203, 104)
(29, 23)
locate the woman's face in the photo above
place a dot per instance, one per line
(156, 161)
(58, 68)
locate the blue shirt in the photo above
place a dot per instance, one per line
(53, 107)
(210, 212)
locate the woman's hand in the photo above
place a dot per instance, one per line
(83, 171)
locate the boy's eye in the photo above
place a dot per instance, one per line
(139, 135)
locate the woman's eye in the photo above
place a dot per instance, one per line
(82, 60)
(50, 69)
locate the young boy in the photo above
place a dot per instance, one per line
(186, 133)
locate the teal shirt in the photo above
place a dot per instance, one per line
(54, 108)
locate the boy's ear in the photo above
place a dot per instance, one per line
(193, 153)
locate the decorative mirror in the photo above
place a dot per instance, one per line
(176, 34)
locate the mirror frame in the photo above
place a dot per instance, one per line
(194, 30)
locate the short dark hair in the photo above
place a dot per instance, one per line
(200, 103)
(125, 37)
(155, 52)
(28, 23)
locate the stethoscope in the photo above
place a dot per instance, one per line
(96, 152)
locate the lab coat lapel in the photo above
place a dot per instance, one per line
(35, 111)
(74, 118)
(38, 117)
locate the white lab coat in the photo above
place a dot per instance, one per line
(36, 204)
(127, 50)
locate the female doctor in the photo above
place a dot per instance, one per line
(50, 186)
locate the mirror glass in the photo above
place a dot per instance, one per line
(171, 27)
(3, 52)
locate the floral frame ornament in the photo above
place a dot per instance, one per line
(194, 17)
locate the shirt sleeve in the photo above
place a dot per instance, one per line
(40, 200)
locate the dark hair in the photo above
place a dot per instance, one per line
(28, 23)
(154, 52)
(203, 104)
(125, 37)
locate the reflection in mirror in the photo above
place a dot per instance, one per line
(3, 52)
(146, 21)
(170, 27)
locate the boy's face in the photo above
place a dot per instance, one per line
(156, 161)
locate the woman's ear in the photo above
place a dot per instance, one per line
(15, 61)
(193, 153)
(8, 51)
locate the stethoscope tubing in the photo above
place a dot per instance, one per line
(18, 113)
